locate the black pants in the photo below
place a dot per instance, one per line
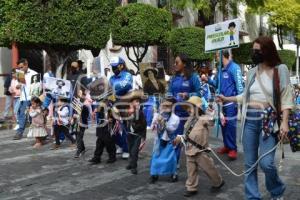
(62, 129)
(79, 140)
(105, 140)
(134, 143)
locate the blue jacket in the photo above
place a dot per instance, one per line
(179, 84)
(231, 80)
(122, 83)
(192, 86)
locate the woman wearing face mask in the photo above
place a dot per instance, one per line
(259, 135)
(183, 84)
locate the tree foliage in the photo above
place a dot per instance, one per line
(190, 41)
(284, 16)
(139, 26)
(64, 24)
(242, 54)
(288, 57)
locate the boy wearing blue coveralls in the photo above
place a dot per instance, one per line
(231, 85)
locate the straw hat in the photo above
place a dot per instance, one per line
(195, 101)
(42, 98)
(135, 94)
(154, 70)
(115, 48)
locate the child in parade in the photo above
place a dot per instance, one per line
(62, 122)
(81, 123)
(136, 128)
(105, 139)
(195, 137)
(164, 158)
(37, 127)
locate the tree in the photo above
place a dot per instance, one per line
(138, 26)
(242, 54)
(288, 57)
(284, 16)
(58, 26)
(189, 41)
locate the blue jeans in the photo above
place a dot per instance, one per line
(8, 101)
(22, 118)
(16, 106)
(254, 145)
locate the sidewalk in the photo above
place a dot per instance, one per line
(26, 173)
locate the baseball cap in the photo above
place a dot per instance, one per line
(116, 61)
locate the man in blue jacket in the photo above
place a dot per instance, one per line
(231, 85)
(121, 83)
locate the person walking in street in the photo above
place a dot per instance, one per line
(81, 124)
(164, 158)
(183, 84)
(8, 96)
(25, 98)
(37, 128)
(106, 124)
(231, 85)
(16, 95)
(121, 83)
(258, 98)
(62, 123)
(136, 127)
(197, 130)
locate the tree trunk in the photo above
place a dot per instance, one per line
(279, 37)
(57, 61)
(139, 54)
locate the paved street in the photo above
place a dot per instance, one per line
(43, 174)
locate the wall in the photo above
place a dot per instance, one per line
(5, 66)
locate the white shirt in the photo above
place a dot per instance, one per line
(25, 96)
(137, 82)
(256, 92)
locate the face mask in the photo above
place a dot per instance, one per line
(116, 71)
(257, 57)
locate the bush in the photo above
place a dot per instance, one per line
(57, 23)
(140, 25)
(242, 55)
(190, 41)
(287, 57)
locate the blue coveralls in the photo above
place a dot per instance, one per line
(179, 84)
(231, 85)
(121, 84)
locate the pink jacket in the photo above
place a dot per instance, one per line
(13, 88)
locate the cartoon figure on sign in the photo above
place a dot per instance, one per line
(231, 28)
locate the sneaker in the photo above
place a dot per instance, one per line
(94, 161)
(16, 127)
(189, 193)
(55, 147)
(223, 150)
(232, 154)
(128, 167)
(18, 137)
(125, 155)
(217, 188)
(153, 179)
(174, 178)
(77, 154)
(134, 171)
(111, 160)
(278, 198)
(119, 150)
